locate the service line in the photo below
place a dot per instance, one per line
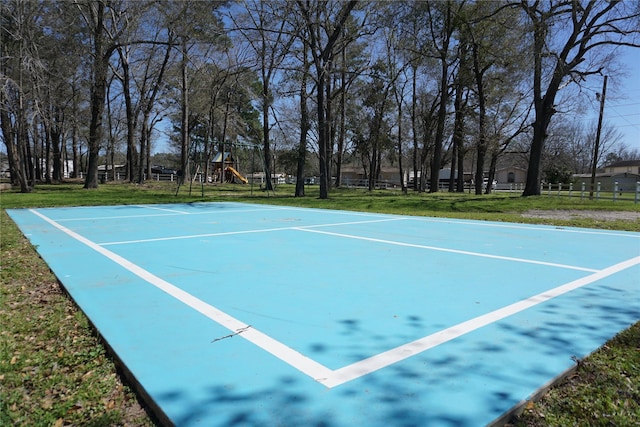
(455, 251)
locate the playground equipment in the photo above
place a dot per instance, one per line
(235, 173)
(222, 164)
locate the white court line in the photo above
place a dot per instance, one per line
(320, 373)
(455, 251)
(174, 213)
(299, 361)
(161, 209)
(102, 218)
(229, 233)
(381, 360)
(523, 226)
(550, 228)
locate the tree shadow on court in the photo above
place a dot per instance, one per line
(431, 388)
(284, 403)
(398, 396)
(580, 323)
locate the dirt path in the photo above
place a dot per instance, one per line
(574, 213)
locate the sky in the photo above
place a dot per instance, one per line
(622, 100)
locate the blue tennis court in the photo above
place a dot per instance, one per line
(234, 314)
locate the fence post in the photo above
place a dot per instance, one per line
(598, 191)
(559, 188)
(570, 188)
(615, 190)
(637, 191)
(584, 185)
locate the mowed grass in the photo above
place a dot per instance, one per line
(55, 371)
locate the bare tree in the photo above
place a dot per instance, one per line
(323, 29)
(265, 28)
(20, 61)
(105, 23)
(567, 38)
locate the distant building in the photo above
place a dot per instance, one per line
(511, 175)
(626, 182)
(624, 166)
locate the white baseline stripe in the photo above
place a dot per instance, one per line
(379, 361)
(100, 218)
(456, 251)
(162, 209)
(299, 361)
(171, 213)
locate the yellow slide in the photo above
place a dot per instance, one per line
(237, 174)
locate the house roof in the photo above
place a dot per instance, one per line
(606, 175)
(623, 163)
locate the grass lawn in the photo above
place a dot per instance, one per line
(54, 370)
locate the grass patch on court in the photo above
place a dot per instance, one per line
(55, 371)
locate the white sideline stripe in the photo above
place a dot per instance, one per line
(229, 233)
(456, 251)
(299, 361)
(559, 229)
(379, 361)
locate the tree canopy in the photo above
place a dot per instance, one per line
(413, 86)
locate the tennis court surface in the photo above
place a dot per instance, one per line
(233, 314)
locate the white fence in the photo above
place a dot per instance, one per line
(600, 192)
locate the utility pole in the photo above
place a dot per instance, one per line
(596, 147)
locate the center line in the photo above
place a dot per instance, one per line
(230, 233)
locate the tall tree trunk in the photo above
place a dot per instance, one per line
(56, 142)
(98, 95)
(14, 152)
(482, 118)
(439, 137)
(492, 172)
(304, 128)
(400, 153)
(266, 144)
(343, 117)
(184, 131)
(132, 157)
(321, 56)
(322, 136)
(329, 119)
(414, 124)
